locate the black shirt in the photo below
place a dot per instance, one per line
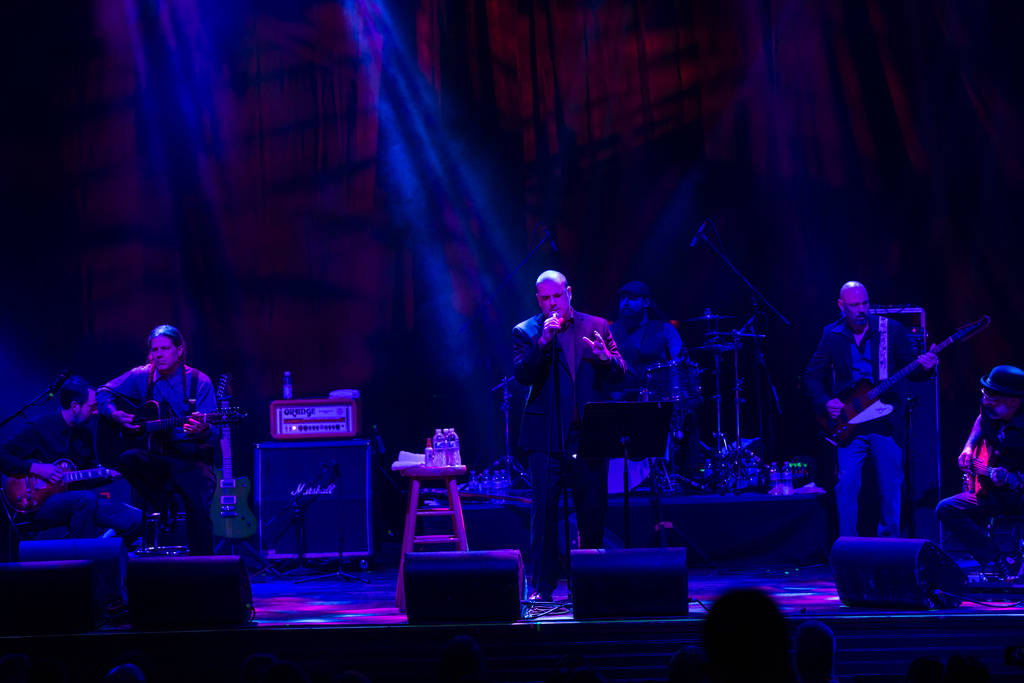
(48, 438)
(648, 343)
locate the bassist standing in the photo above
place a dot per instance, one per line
(849, 352)
(994, 454)
(180, 460)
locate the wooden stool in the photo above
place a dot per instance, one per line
(418, 475)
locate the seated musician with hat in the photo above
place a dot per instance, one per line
(993, 457)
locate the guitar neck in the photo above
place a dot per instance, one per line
(888, 384)
(84, 475)
(167, 423)
(225, 448)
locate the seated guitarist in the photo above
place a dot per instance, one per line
(999, 428)
(182, 459)
(849, 350)
(65, 435)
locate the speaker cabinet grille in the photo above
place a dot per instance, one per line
(317, 493)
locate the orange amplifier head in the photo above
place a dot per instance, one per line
(314, 418)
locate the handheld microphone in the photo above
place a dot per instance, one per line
(700, 231)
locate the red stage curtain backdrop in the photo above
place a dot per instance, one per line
(336, 188)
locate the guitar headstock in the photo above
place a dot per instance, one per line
(971, 329)
(227, 414)
(224, 387)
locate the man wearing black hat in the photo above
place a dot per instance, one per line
(999, 430)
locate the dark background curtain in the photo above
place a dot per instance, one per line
(340, 189)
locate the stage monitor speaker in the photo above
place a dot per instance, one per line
(629, 582)
(895, 572)
(463, 586)
(174, 592)
(316, 493)
(108, 555)
(47, 597)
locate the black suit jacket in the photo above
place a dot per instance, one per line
(532, 367)
(832, 359)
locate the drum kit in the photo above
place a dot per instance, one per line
(731, 465)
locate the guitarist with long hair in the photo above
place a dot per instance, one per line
(993, 458)
(849, 352)
(181, 458)
(38, 462)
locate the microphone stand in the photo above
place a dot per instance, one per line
(507, 462)
(750, 286)
(39, 400)
(508, 278)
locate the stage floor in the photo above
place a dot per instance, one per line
(330, 625)
(807, 592)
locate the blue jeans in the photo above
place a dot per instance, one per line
(87, 514)
(888, 457)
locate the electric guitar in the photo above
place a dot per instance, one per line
(26, 494)
(980, 469)
(229, 508)
(862, 401)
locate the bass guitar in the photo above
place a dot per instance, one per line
(229, 508)
(862, 401)
(26, 494)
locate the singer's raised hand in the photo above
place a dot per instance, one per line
(598, 346)
(552, 325)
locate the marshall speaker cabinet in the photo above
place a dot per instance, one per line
(313, 499)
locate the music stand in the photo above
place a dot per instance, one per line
(631, 430)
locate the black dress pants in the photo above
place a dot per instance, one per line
(588, 481)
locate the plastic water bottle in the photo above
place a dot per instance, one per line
(787, 479)
(438, 443)
(486, 487)
(428, 453)
(456, 452)
(286, 388)
(506, 483)
(773, 480)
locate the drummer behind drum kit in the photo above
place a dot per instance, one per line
(731, 466)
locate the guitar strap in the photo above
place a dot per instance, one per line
(193, 388)
(883, 349)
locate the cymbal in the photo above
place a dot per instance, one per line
(708, 316)
(716, 348)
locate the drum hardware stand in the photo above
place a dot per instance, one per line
(507, 462)
(702, 234)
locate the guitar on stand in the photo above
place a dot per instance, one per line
(233, 521)
(229, 509)
(862, 402)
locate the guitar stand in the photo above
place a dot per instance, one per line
(244, 549)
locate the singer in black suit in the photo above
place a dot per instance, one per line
(587, 364)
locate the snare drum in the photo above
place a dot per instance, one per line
(675, 380)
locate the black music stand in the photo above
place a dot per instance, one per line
(632, 430)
